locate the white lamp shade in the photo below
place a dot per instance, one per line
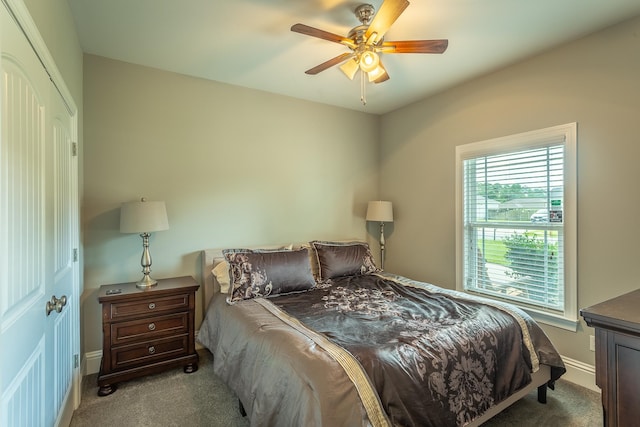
(380, 211)
(143, 217)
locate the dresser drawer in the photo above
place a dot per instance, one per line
(148, 352)
(149, 306)
(149, 328)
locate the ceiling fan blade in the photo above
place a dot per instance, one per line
(414, 46)
(330, 63)
(321, 34)
(380, 76)
(389, 11)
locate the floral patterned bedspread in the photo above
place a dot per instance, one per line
(436, 357)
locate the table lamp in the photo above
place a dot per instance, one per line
(144, 217)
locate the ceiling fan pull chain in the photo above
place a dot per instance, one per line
(363, 89)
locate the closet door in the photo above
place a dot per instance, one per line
(36, 248)
(61, 245)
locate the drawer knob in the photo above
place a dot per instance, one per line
(152, 350)
(152, 305)
(152, 326)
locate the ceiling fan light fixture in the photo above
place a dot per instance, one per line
(369, 61)
(350, 68)
(376, 73)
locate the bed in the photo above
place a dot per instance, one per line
(316, 335)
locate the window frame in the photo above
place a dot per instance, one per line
(567, 318)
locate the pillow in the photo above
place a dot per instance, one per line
(313, 260)
(221, 270)
(260, 273)
(221, 273)
(337, 259)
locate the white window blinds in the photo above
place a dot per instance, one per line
(516, 221)
(513, 225)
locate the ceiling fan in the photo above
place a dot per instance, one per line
(366, 41)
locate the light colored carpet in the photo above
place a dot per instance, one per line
(569, 405)
(174, 398)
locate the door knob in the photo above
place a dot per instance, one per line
(56, 304)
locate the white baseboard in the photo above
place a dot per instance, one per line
(580, 373)
(91, 362)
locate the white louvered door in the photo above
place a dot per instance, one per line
(38, 225)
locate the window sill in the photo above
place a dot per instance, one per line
(540, 316)
(551, 319)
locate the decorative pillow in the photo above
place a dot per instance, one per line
(337, 259)
(221, 270)
(260, 273)
(221, 273)
(313, 260)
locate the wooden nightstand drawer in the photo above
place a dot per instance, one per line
(148, 352)
(149, 328)
(149, 306)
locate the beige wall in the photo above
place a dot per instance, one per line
(594, 82)
(235, 167)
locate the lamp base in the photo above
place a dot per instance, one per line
(146, 282)
(382, 245)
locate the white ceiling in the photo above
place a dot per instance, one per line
(249, 43)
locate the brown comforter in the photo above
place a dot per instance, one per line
(374, 349)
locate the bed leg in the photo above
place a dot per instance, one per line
(241, 409)
(542, 393)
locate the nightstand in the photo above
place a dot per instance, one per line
(146, 331)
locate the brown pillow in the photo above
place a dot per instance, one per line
(337, 259)
(260, 273)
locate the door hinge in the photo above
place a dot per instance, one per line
(76, 360)
(74, 149)
(75, 255)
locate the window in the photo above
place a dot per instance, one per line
(516, 222)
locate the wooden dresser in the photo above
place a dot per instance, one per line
(146, 331)
(617, 325)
